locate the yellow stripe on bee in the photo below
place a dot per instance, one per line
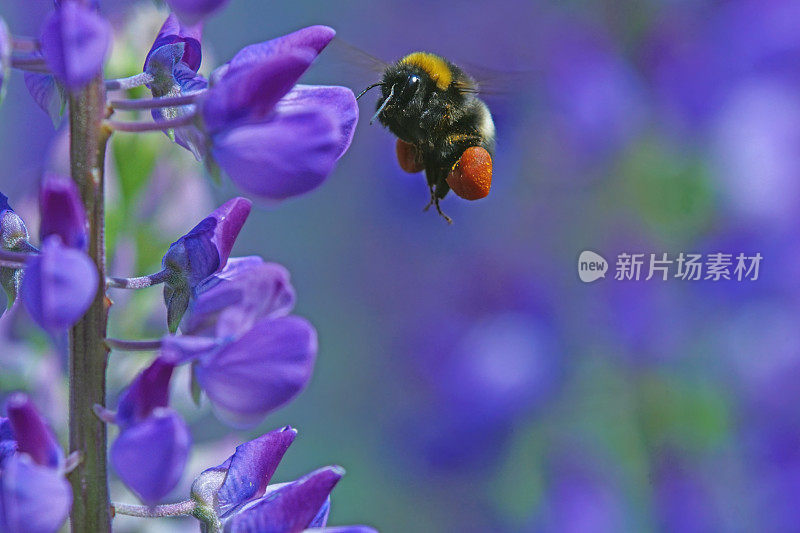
(433, 65)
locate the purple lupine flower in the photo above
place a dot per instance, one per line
(199, 254)
(236, 495)
(582, 498)
(484, 375)
(753, 162)
(13, 237)
(5, 56)
(250, 356)
(34, 495)
(173, 61)
(8, 444)
(251, 105)
(683, 501)
(247, 289)
(193, 11)
(248, 376)
(48, 95)
(150, 453)
(75, 41)
(59, 285)
(172, 31)
(62, 212)
(596, 102)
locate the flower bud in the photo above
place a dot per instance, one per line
(32, 433)
(199, 254)
(62, 212)
(34, 496)
(75, 40)
(150, 453)
(59, 285)
(13, 237)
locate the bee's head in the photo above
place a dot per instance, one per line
(402, 88)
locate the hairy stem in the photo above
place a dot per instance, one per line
(13, 259)
(24, 44)
(159, 511)
(31, 64)
(156, 103)
(138, 127)
(133, 345)
(88, 354)
(141, 282)
(130, 82)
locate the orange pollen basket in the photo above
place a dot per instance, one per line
(471, 177)
(409, 157)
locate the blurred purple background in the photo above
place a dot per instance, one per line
(467, 379)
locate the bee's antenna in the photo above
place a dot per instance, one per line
(383, 105)
(379, 84)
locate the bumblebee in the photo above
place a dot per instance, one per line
(441, 125)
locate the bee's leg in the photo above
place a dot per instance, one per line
(439, 210)
(433, 198)
(432, 177)
(440, 192)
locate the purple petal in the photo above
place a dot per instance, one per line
(149, 390)
(75, 40)
(321, 519)
(292, 507)
(160, 65)
(59, 285)
(8, 443)
(5, 56)
(193, 11)
(32, 433)
(248, 94)
(205, 249)
(290, 155)
(246, 290)
(6, 431)
(312, 38)
(339, 100)
(251, 467)
(47, 94)
(184, 81)
(263, 370)
(33, 498)
(180, 349)
(231, 216)
(62, 212)
(150, 456)
(172, 31)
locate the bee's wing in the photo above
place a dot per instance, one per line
(501, 84)
(345, 64)
(354, 55)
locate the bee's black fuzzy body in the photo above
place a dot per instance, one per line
(432, 105)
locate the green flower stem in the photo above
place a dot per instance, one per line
(88, 353)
